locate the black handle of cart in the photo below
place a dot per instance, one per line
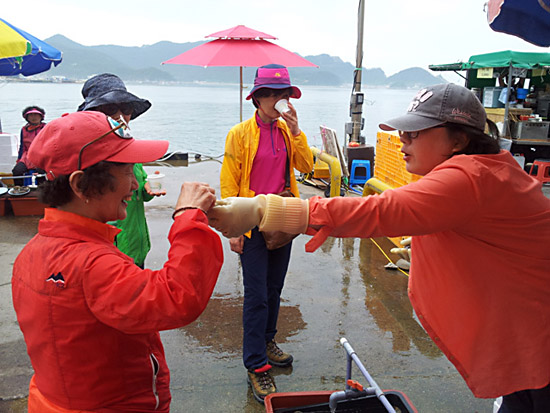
(374, 388)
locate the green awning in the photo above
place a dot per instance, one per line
(447, 67)
(506, 58)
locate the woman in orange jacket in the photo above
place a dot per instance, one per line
(479, 278)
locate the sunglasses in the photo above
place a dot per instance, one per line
(112, 108)
(119, 128)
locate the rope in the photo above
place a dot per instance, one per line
(388, 258)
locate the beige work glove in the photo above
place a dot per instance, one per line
(286, 214)
(235, 216)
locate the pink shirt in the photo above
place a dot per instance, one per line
(480, 269)
(268, 168)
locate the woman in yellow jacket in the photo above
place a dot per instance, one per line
(261, 154)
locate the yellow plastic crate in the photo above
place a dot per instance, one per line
(389, 166)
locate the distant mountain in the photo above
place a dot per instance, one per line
(143, 64)
(414, 77)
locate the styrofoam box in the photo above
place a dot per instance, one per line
(490, 97)
(8, 152)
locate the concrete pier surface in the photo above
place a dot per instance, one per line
(341, 290)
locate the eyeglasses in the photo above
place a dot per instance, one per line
(414, 134)
(409, 135)
(117, 127)
(112, 108)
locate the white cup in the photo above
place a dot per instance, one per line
(282, 106)
(156, 182)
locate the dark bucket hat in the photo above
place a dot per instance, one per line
(107, 88)
(273, 77)
(439, 104)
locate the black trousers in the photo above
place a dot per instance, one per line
(19, 169)
(527, 401)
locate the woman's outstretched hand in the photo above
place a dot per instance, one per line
(235, 216)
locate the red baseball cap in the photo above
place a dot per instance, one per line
(58, 146)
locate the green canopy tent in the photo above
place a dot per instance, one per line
(504, 63)
(506, 58)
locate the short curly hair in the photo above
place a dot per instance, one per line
(97, 179)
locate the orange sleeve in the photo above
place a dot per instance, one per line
(441, 200)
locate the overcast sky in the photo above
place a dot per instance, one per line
(398, 33)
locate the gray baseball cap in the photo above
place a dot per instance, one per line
(439, 104)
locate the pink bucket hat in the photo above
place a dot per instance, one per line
(273, 77)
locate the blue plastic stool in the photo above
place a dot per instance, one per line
(360, 172)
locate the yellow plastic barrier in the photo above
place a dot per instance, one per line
(375, 186)
(335, 170)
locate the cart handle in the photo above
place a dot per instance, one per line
(351, 355)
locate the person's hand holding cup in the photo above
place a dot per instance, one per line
(282, 106)
(287, 111)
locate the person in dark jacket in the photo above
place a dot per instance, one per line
(107, 93)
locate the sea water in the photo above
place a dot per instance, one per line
(195, 118)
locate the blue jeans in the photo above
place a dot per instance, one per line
(264, 273)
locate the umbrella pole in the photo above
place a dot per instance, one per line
(241, 93)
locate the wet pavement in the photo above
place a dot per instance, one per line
(341, 290)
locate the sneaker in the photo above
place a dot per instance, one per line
(276, 356)
(261, 382)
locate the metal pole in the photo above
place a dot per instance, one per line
(241, 94)
(357, 107)
(506, 129)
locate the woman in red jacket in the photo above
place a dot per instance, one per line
(480, 278)
(34, 116)
(91, 317)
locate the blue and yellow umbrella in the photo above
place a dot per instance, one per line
(22, 53)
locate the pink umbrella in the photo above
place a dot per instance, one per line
(239, 46)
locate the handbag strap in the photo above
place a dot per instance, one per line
(287, 172)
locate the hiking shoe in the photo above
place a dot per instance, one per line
(276, 356)
(261, 382)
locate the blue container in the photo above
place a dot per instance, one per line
(522, 93)
(28, 181)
